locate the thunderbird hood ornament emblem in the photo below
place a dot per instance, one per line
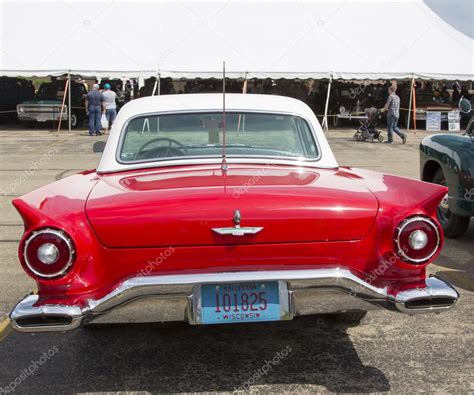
(237, 230)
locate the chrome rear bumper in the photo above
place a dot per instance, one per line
(177, 298)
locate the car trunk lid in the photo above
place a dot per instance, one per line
(184, 206)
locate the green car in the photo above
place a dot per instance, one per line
(449, 160)
(48, 104)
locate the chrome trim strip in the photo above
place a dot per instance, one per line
(188, 286)
(218, 161)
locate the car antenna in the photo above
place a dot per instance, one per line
(224, 162)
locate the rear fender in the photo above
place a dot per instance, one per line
(399, 198)
(60, 205)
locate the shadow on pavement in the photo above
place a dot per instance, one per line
(180, 358)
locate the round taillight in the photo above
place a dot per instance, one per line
(417, 239)
(48, 253)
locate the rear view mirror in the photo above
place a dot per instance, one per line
(98, 147)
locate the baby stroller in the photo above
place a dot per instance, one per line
(367, 131)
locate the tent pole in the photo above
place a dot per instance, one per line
(325, 119)
(66, 87)
(410, 101)
(69, 101)
(414, 107)
(159, 84)
(244, 87)
(155, 84)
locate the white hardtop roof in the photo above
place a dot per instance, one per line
(212, 102)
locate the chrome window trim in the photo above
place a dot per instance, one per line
(192, 159)
(61, 235)
(408, 221)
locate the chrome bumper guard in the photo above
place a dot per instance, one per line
(177, 298)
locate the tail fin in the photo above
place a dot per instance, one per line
(29, 214)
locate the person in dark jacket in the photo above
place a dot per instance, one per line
(456, 94)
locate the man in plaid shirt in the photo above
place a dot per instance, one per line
(393, 108)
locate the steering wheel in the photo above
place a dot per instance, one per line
(161, 152)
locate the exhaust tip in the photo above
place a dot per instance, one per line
(27, 317)
(430, 303)
(436, 297)
(43, 321)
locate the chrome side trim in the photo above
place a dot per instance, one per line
(308, 292)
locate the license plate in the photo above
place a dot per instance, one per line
(41, 119)
(240, 302)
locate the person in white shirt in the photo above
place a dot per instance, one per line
(110, 105)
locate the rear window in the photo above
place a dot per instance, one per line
(175, 136)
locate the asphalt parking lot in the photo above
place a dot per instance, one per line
(388, 352)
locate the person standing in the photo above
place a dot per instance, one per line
(393, 108)
(110, 106)
(94, 108)
(456, 93)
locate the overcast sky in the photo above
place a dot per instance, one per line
(458, 13)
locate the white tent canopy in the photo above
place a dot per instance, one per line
(349, 39)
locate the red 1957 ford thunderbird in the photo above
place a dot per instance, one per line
(212, 216)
